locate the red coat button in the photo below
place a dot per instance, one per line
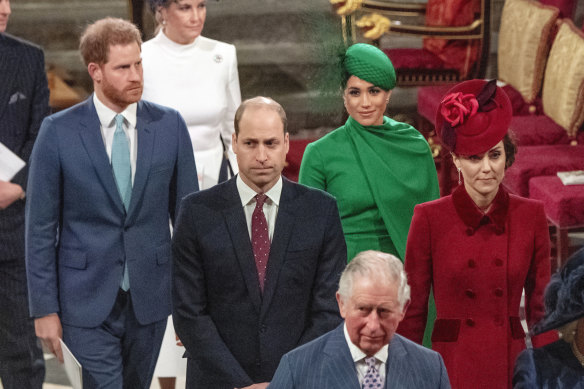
(498, 262)
(470, 322)
(470, 293)
(471, 263)
(499, 292)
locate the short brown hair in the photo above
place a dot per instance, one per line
(98, 37)
(510, 147)
(260, 101)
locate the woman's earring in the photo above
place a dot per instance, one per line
(459, 179)
(164, 22)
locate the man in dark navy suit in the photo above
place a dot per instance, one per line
(105, 177)
(257, 260)
(24, 102)
(365, 351)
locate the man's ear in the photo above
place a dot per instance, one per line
(234, 142)
(341, 305)
(95, 72)
(405, 308)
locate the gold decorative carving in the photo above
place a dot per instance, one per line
(346, 7)
(374, 25)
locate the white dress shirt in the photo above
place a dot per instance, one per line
(359, 359)
(108, 127)
(247, 196)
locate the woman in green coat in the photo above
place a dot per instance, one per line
(377, 168)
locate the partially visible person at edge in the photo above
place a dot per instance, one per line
(378, 169)
(24, 102)
(365, 351)
(560, 364)
(198, 77)
(477, 248)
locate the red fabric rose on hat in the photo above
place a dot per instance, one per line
(456, 108)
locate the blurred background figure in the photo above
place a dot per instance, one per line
(478, 247)
(559, 364)
(198, 77)
(24, 102)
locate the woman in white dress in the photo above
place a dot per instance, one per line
(198, 77)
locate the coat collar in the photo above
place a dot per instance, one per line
(474, 218)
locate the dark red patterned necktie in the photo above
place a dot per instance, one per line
(260, 238)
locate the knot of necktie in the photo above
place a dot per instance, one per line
(260, 199)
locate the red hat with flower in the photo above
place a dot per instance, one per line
(473, 117)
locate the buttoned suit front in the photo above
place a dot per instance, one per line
(477, 266)
(235, 335)
(79, 235)
(326, 363)
(24, 102)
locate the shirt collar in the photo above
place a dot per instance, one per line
(473, 217)
(106, 115)
(359, 355)
(247, 194)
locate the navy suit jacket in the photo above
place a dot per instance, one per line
(78, 234)
(234, 335)
(24, 102)
(326, 363)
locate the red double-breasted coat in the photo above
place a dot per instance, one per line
(478, 265)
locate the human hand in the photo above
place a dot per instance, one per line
(48, 329)
(262, 385)
(9, 193)
(178, 342)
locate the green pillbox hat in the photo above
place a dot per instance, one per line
(370, 64)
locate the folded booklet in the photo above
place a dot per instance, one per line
(574, 177)
(10, 163)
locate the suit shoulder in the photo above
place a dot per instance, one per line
(207, 197)
(313, 348)
(156, 111)
(22, 44)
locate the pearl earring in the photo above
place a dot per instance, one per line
(459, 179)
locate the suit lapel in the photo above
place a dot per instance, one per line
(282, 231)
(338, 359)
(397, 365)
(9, 64)
(237, 226)
(145, 137)
(93, 142)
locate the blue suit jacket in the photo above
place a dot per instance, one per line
(234, 335)
(78, 234)
(24, 102)
(327, 363)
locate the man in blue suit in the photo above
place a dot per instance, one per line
(256, 261)
(365, 352)
(24, 102)
(105, 176)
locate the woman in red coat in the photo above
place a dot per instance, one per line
(477, 248)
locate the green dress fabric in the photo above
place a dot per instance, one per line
(377, 174)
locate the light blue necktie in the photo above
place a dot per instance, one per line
(123, 175)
